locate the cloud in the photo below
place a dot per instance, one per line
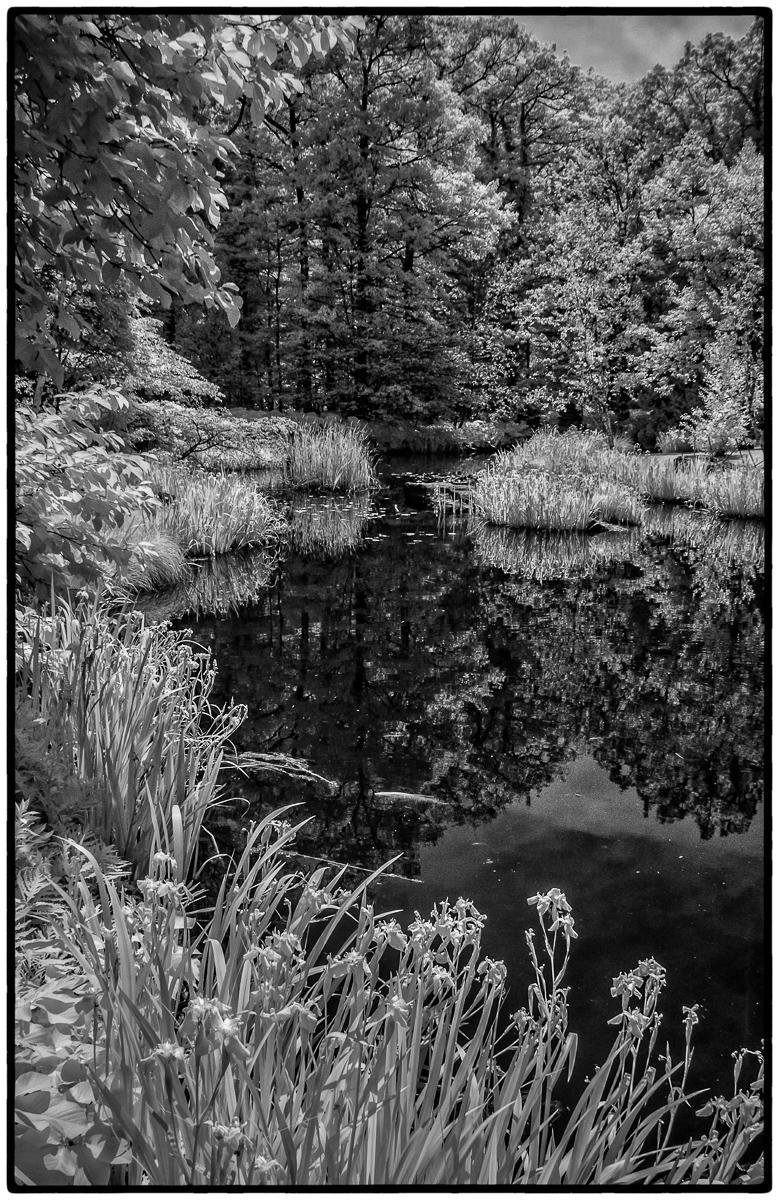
(624, 47)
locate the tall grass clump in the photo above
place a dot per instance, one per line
(296, 1038)
(575, 452)
(536, 500)
(209, 514)
(156, 559)
(663, 480)
(127, 705)
(736, 491)
(558, 481)
(335, 458)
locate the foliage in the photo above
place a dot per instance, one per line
(117, 168)
(75, 490)
(332, 457)
(127, 706)
(157, 372)
(209, 437)
(732, 389)
(278, 1065)
(356, 224)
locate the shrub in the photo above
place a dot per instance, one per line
(673, 441)
(127, 705)
(158, 372)
(211, 438)
(75, 490)
(731, 396)
(334, 458)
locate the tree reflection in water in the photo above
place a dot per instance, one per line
(473, 667)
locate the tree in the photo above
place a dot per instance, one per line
(716, 90)
(117, 168)
(705, 219)
(356, 220)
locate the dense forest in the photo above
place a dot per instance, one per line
(256, 258)
(444, 219)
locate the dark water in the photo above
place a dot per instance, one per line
(600, 732)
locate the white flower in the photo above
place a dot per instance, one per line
(168, 1052)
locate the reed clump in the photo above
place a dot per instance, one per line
(537, 500)
(571, 480)
(737, 491)
(210, 514)
(334, 458)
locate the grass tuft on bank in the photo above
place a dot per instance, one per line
(573, 480)
(333, 458)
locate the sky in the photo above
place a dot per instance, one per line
(625, 47)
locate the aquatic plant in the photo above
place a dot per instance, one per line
(247, 1050)
(536, 500)
(127, 705)
(616, 503)
(328, 528)
(735, 491)
(574, 452)
(664, 480)
(332, 457)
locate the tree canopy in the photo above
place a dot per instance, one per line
(404, 214)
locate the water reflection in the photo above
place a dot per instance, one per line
(553, 555)
(328, 528)
(218, 586)
(415, 666)
(599, 729)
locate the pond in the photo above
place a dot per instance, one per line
(547, 712)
